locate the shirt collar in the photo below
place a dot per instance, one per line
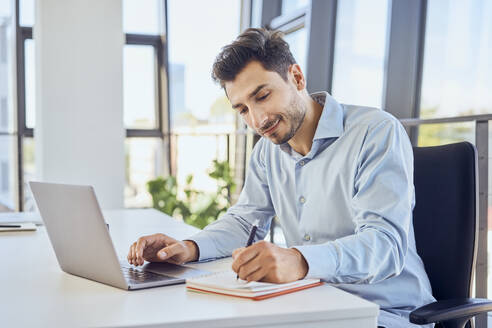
(330, 123)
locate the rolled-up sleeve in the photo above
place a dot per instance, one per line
(382, 204)
(231, 231)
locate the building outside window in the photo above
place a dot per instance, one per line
(201, 115)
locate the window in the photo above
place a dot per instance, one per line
(143, 22)
(26, 13)
(8, 193)
(5, 177)
(297, 41)
(143, 158)
(139, 87)
(3, 41)
(8, 138)
(289, 6)
(4, 119)
(360, 44)
(201, 115)
(143, 16)
(256, 8)
(457, 70)
(457, 76)
(29, 172)
(143, 66)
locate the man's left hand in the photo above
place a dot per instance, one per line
(267, 262)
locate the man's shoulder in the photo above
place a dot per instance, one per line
(367, 117)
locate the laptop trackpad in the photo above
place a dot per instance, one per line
(173, 270)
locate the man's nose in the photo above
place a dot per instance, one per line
(259, 118)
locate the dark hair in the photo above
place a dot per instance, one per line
(263, 45)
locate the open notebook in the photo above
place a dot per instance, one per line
(225, 283)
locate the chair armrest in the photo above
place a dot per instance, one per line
(450, 309)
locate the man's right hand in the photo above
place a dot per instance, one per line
(161, 248)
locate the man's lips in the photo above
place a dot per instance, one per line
(269, 131)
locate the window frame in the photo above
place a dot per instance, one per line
(162, 129)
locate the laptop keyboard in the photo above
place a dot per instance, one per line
(139, 276)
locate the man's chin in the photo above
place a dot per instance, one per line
(278, 140)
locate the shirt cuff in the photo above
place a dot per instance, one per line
(322, 260)
(206, 245)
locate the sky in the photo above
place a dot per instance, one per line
(195, 39)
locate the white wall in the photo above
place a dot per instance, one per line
(79, 130)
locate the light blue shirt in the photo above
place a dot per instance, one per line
(346, 206)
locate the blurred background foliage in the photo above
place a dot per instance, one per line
(196, 208)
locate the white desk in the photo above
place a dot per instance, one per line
(34, 292)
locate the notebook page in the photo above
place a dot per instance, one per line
(227, 281)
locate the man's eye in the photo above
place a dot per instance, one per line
(263, 97)
(243, 111)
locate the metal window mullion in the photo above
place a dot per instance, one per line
(456, 119)
(404, 58)
(321, 24)
(143, 133)
(165, 121)
(270, 9)
(28, 132)
(142, 39)
(158, 84)
(292, 26)
(289, 22)
(240, 140)
(482, 144)
(21, 109)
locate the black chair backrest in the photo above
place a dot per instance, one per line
(445, 216)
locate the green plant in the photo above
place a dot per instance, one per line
(196, 208)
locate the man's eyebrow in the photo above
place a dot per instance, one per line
(252, 94)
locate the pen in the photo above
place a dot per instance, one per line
(9, 226)
(251, 236)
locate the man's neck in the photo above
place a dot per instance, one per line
(302, 141)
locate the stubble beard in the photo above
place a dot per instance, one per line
(294, 116)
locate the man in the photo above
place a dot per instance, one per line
(339, 178)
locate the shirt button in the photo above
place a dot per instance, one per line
(302, 163)
(307, 237)
(302, 200)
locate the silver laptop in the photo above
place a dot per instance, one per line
(82, 243)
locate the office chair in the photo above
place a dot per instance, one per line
(445, 220)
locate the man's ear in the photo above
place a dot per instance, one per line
(298, 77)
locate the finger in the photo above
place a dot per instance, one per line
(139, 248)
(170, 251)
(247, 269)
(257, 275)
(244, 257)
(132, 256)
(135, 254)
(237, 251)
